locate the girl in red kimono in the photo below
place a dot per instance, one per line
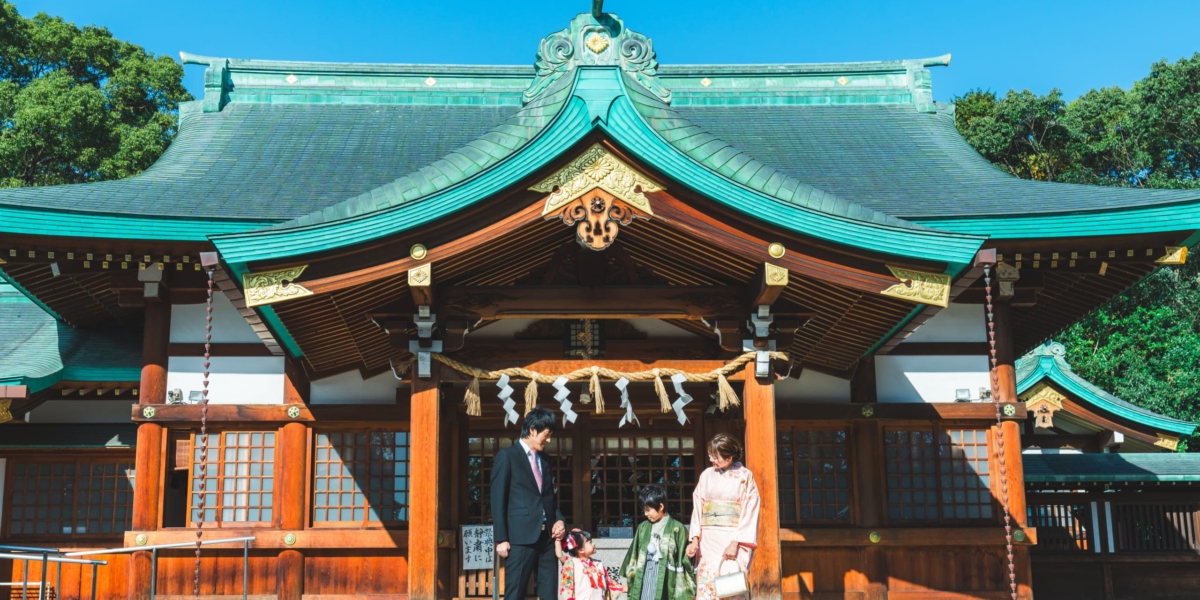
(583, 578)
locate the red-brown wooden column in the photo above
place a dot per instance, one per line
(1014, 467)
(148, 465)
(423, 481)
(293, 449)
(868, 464)
(766, 581)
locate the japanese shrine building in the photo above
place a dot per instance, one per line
(812, 249)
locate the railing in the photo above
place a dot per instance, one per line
(1097, 525)
(154, 559)
(47, 556)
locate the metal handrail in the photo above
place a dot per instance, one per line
(31, 554)
(54, 559)
(128, 549)
(154, 558)
(30, 549)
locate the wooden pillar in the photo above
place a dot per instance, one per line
(766, 581)
(423, 480)
(868, 464)
(148, 466)
(1005, 361)
(862, 383)
(293, 451)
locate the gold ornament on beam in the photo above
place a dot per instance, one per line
(5, 413)
(1043, 401)
(1176, 255)
(1168, 441)
(597, 192)
(920, 287)
(775, 275)
(269, 287)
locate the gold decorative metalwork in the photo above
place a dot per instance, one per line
(141, 539)
(597, 192)
(776, 250)
(5, 413)
(1176, 255)
(868, 411)
(421, 276)
(706, 82)
(269, 287)
(1009, 410)
(843, 80)
(148, 412)
(1043, 401)
(920, 287)
(597, 43)
(430, 82)
(875, 537)
(418, 252)
(289, 539)
(1018, 535)
(597, 168)
(291, 79)
(775, 276)
(1167, 441)
(293, 412)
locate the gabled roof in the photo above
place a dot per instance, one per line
(38, 351)
(1048, 362)
(1111, 467)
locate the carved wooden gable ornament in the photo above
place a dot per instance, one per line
(597, 193)
(1043, 401)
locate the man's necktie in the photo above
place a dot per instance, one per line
(537, 473)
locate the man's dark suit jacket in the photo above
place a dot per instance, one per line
(517, 503)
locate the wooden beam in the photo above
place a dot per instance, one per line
(527, 351)
(250, 349)
(562, 367)
(900, 536)
(271, 538)
(610, 302)
(273, 413)
(768, 283)
(915, 411)
(863, 386)
(762, 460)
(423, 509)
(1082, 412)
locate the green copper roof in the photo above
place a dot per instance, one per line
(38, 351)
(596, 98)
(1048, 361)
(1112, 467)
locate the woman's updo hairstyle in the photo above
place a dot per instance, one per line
(725, 446)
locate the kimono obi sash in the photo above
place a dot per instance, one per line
(720, 513)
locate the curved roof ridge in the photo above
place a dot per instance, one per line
(1048, 360)
(740, 167)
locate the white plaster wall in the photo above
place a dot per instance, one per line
(928, 378)
(349, 388)
(187, 323)
(232, 379)
(83, 411)
(813, 387)
(955, 323)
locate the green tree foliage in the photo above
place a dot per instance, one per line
(1144, 346)
(77, 105)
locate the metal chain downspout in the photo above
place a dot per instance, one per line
(204, 428)
(1008, 539)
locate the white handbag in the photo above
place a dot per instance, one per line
(731, 584)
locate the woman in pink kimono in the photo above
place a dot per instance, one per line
(724, 527)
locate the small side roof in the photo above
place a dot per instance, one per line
(1112, 467)
(1048, 362)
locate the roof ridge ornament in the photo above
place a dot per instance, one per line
(596, 39)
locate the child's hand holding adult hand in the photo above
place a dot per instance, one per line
(693, 547)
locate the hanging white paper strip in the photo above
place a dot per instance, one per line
(623, 384)
(564, 402)
(506, 392)
(683, 399)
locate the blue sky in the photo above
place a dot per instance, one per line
(998, 45)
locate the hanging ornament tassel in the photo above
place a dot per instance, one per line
(564, 401)
(597, 396)
(623, 385)
(661, 390)
(506, 392)
(728, 397)
(471, 398)
(683, 400)
(531, 394)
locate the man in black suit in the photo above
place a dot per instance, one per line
(526, 521)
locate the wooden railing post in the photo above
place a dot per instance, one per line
(423, 480)
(148, 466)
(293, 451)
(766, 581)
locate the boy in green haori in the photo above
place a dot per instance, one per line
(657, 565)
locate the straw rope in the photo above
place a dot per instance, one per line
(593, 374)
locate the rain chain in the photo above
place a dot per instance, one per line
(203, 438)
(1008, 538)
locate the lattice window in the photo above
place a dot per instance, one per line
(621, 465)
(938, 475)
(74, 498)
(965, 481)
(575, 339)
(1062, 526)
(360, 477)
(240, 483)
(481, 454)
(814, 476)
